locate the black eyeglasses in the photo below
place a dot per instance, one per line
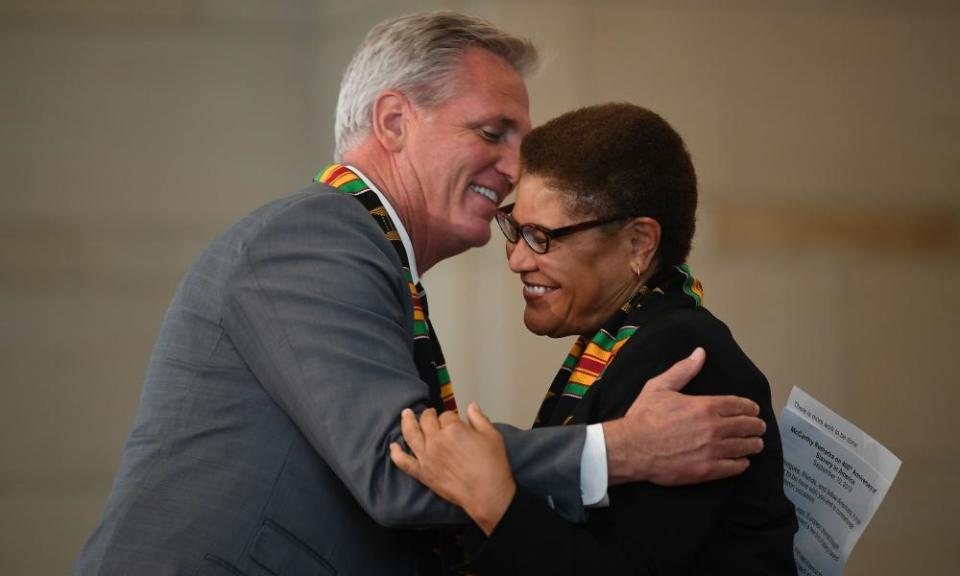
(537, 237)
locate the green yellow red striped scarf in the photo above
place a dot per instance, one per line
(428, 356)
(589, 358)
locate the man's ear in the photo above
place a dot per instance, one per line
(390, 111)
(644, 241)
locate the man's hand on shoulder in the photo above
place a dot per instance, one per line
(669, 438)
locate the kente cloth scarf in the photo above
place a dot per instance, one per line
(673, 287)
(427, 354)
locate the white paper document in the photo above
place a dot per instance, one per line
(836, 476)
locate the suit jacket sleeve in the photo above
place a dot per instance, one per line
(319, 310)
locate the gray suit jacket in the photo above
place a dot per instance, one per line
(260, 446)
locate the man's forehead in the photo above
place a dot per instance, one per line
(503, 113)
(492, 90)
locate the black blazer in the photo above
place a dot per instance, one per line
(741, 525)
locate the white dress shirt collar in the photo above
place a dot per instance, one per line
(404, 237)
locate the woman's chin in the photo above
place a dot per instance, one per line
(544, 326)
(534, 325)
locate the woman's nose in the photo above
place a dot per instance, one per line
(520, 256)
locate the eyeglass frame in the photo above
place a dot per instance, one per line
(504, 215)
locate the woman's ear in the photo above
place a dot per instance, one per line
(644, 233)
(390, 111)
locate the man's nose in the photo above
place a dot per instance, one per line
(509, 163)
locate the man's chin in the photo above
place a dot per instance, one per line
(479, 237)
(464, 243)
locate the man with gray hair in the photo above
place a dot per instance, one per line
(261, 443)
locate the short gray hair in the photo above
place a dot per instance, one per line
(417, 55)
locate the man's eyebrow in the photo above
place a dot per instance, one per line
(504, 123)
(507, 122)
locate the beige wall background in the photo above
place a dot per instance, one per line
(826, 136)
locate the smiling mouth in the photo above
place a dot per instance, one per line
(536, 290)
(486, 193)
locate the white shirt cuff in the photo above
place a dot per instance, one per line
(593, 468)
